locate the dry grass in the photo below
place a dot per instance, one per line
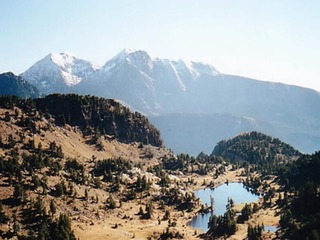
(90, 219)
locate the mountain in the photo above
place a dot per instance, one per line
(11, 84)
(151, 85)
(287, 112)
(58, 73)
(255, 147)
(163, 89)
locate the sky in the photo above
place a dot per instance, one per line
(274, 40)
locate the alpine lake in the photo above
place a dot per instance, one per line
(220, 195)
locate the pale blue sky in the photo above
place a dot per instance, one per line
(274, 40)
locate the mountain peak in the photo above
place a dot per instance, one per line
(59, 71)
(62, 59)
(130, 53)
(205, 68)
(127, 51)
(138, 58)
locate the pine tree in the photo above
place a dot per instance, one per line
(18, 193)
(53, 208)
(111, 203)
(61, 230)
(86, 194)
(3, 217)
(166, 215)
(44, 233)
(141, 212)
(149, 210)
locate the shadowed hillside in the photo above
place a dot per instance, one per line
(11, 84)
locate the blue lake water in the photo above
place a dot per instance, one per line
(270, 228)
(236, 191)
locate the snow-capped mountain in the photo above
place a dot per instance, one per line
(151, 85)
(163, 88)
(58, 72)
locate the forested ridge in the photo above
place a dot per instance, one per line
(297, 175)
(255, 147)
(93, 115)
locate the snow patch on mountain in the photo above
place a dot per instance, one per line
(60, 71)
(180, 81)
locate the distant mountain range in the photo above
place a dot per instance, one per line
(192, 103)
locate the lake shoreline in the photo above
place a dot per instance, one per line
(267, 216)
(220, 195)
(142, 229)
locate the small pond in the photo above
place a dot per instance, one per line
(270, 228)
(236, 191)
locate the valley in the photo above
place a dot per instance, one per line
(66, 174)
(159, 120)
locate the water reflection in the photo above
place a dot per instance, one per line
(220, 195)
(270, 228)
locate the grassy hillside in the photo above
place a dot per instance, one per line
(61, 180)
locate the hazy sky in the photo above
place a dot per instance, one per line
(274, 40)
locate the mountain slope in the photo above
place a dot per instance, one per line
(11, 84)
(100, 116)
(81, 131)
(150, 85)
(58, 73)
(55, 181)
(187, 133)
(287, 112)
(162, 88)
(49, 173)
